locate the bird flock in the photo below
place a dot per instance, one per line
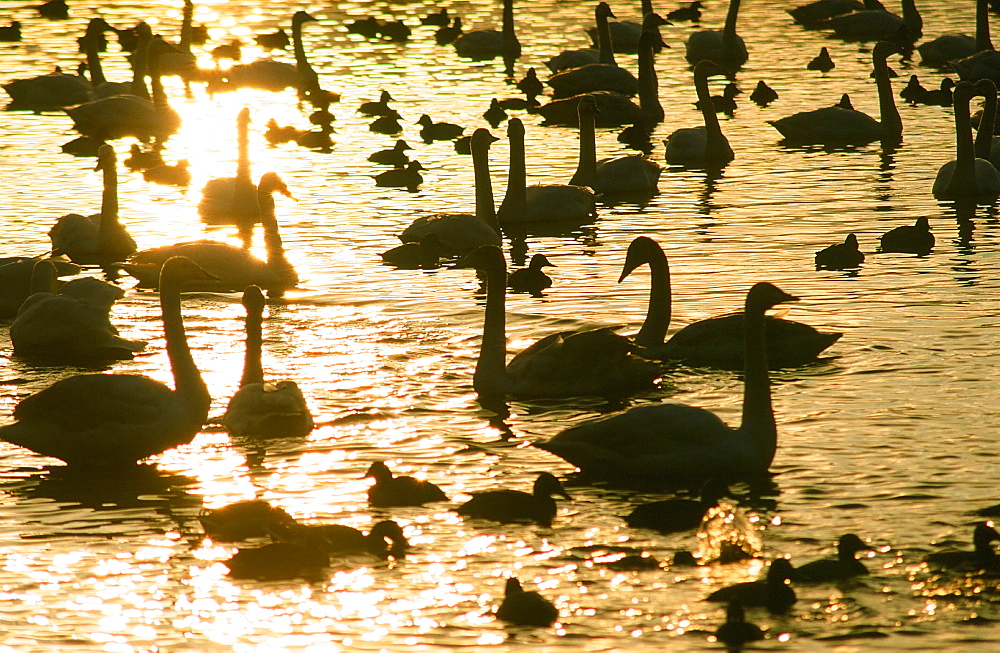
(104, 423)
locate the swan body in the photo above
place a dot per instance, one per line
(624, 34)
(485, 44)
(507, 506)
(340, 540)
(16, 281)
(623, 174)
(878, 25)
(845, 565)
(772, 592)
(271, 75)
(673, 442)
(390, 490)
(50, 92)
(967, 176)
(233, 200)
(232, 268)
(458, 233)
(723, 47)
(613, 110)
(837, 125)
(242, 520)
(704, 145)
(523, 608)
(841, 256)
(259, 409)
(115, 420)
(809, 14)
(568, 363)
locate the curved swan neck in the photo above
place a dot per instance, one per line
(139, 62)
(911, 18)
(187, 378)
(654, 327)
(243, 146)
(604, 45)
(485, 210)
(515, 200)
(729, 28)
(713, 131)
(758, 414)
(491, 368)
(186, 17)
(984, 136)
(253, 367)
(309, 76)
(95, 28)
(509, 43)
(269, 222)
(963, 178)
(649, 95)
(983, 41)
(586, 167)
(891, 123)
(109, 200)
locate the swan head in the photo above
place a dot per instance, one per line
(487, 258)
(243, 118)
(641, 250)
(763, 296)
(586, 108)
(482, 139)
(548, 485)
(985, 87)
(603, 10)
(271, 183)
(883, 49)
(964, 92)
(300, 17)
(106, 159)
(379, 471)
(705, 69)
(180, 270)
(253, 300)
(515, 128)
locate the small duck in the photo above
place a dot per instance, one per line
(407, 177)
(495, 114)
(233, 51)
(938, 97)
(394, 156)
(438, 18)
(763, 95)
(385, 539)
(242, 520)
(11, 33)
(821, 62)
(737, 631)
(531, 279)
(691, 12)
(676, 515)
(139, 160)
(506, 506)
(771, 592)
(279, 561)
(169, 175)
(447, 34)
(273, 41)
(54, 10)
(423, 255)
(916, 239)
(367, 27)
(395, 30)
(388, 124)
(914, 91)
(432, 131)
(523, 608)
(392, 490)
(982, 557)
(530, 85)
(276, 134)
(845, 565)
(378, 107)
(841, 256)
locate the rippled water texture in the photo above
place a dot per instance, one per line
(892, 437)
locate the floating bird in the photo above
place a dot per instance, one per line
(530, 279)
(387, 124)
(809, 15)
(390, 490)
(378, 107)
(845, 565)
(367, 27)
(423, 255)
(407, 176)
(233, 200)
(447, 34)
(914, 91)
(273, 40)
(631, 173)
(676, 515)
(232, 51)
(841, 256)
(137, 159)
(394, 156)
(772, 592)
(725, 103)
(506, 506)
(50, 92)
(877, 25)
(53, 10)
(178, 174)
(916, 239)
(530, 85)
(943, 96)
(966, 176)
(432, 131)
(705, 145)
(737, 631)
(16, 274)
(484, 44)
(523, 608)
(495, 113)
(11, 33)
(242, 520)
(691, 12)
(821, 62)
(982, 557)
(763, 94)
(279, 561)
(438, 18)
(723, 47)
(384, 540)
(395, 30)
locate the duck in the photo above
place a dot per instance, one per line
(447, 34)
(839, 126)
(406, 176)
(841, 256)
(394, 156)
(49, 92)
(233, 200)
(378, 107)
(772, 592)
(438, 18)
(232, 268)
(422, 255)
(967, 176)
(66, 326)
(689, 12)
(539, 202)
(16, 273)
(178, 174)
(276, 134)
(845, 565)
(631, 173)
(530, 279)
(596, 362)
(723, 47)
(943, 96)
(112, 421)
(277, 40)
(385, 539)
(259, 409)
(390, 490)
(725, 103)
(982, 557)
(53, 9)
(676, 443)
(233, 51)
(763, 94)
(395, 30)
(366, 27)
(432, 131)
(914, 91)
(495, 114)
(677, 515)
(737, 631)
(484, 44)
(808, 15)
(279, 561)
(242, 520)
(460, 233)
(100, 238)
(916, 239)
(271, 75)
(523, 608)
(877, 25)
(530, 85)
(10, 33)
(705, 145)
(821, 62)
(137, 159)
(716, 341)
(507, 506)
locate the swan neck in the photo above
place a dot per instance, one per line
(891, 123)
(508, 39)
(253, 368)
(491, 369)
(654, 327)
(243, 151)
(647, 7)
(911, 18)
(983, 41)
(309, 76)
(94, 32)
(963, 179)
(984, 136)
(139, 62)
(649, 94)
(159, 97)
(515, 199)
(586, 167)
(186, 18)
(187, 379)
(272, 236)
(758, 414)
(606, 52)
(109, 207)
(729, 28)
(485, 209)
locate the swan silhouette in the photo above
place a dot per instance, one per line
(262, 409)
(705, 145)
(567, 363)
(676, 443)
(486, 44)
(115, 420)
(232, 268)
(49, 92)
(271, 75)
(878, 24)
(603, 53)
(967, 176)
(16, 273)
(723, 47)
(233, 200)
(632, 173)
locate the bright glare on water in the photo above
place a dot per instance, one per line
(892, 435)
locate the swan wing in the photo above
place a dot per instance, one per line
(829, 125)
(461, 232)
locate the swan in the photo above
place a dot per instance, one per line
(967, 176)
(50, 92)
(705, 145)
(985, 61)
(674, 442)
(390, 490)
(841, 256)
(489, 43)
(724, 47)
(737, 631)
(100, 87)
(531, 279)
(463, 232)
(986, 146)
(16, 280)
(143, 114)
(115, 420)
(631, 173)
(233, 268)
(523, 608)
(506, 506)
(539, 203)
(242, 520)
(385, 539)
(717, 341)
(605, 75)
(99, 238)
(567, 363)
(877, 25)
(839, 126)
(181, 62)
(814, 12)
(271, 75)
(233, 200)
(68, 326)
(613, 110)
(845, 565)
(676, 515)
(909, 239)
(982, 557)
(259, 409)
(625, 33)
(772, 592)
(603, 53)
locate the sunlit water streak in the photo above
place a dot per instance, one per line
(893, 437)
